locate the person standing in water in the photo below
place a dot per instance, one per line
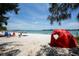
(20, 34)
(77, 34)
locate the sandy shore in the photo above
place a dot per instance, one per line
(28, 44)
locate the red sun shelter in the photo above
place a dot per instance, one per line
(63, 39)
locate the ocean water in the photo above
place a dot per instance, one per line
(75, 33)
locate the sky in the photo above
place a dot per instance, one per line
(33, 16)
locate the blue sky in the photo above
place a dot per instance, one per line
(33, 16)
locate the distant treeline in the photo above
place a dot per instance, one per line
(44, 30)
(65, 29)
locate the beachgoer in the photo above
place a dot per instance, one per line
(6, 34)
(20, 34)
(9, 34)
(77, 34)
(13, 34)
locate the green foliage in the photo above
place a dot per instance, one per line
(4, 8)
(77, 39)
(3, 28)
(61, 11)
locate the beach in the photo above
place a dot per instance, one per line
(26, 45)
(32, 44)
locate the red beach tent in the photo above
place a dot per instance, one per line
(63, 39)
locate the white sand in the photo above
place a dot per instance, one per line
(29, 44)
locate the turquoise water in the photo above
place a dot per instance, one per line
(33, 31)
(75, 33)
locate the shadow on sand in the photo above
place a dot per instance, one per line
(48, 51)
(11, 53)
(8, 49)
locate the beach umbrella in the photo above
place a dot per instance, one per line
(63, 39)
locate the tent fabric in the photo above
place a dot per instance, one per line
(65, 39)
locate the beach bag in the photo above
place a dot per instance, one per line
(63, 39)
